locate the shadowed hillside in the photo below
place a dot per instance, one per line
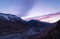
(53, 33)
(10, 24)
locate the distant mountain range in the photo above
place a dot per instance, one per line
(13, 27)
(47, 18)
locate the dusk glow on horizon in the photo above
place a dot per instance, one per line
(29, 8)
(51, 18)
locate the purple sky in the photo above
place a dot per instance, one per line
(29, 8)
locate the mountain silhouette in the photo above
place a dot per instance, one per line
(13, 27)
(38, 24)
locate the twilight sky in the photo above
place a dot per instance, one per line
(29, 8)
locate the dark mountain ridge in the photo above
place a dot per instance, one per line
(33, 29)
